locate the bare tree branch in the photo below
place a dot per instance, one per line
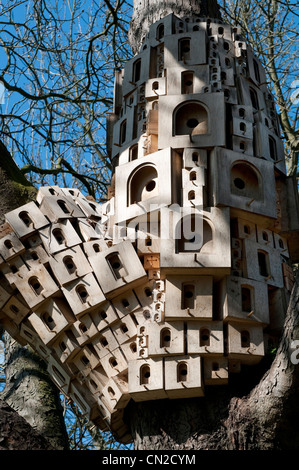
(58, 76)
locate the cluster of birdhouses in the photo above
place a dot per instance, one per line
(183, 276)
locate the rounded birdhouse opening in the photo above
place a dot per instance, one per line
(191, 118)
(239, 183)
(48, 321)
(35, 285)
(150, 186)
(245, 339)
(69, 264)
(25, 218)
(82, 293)
(246, 181)
(58, 235)
(145, 374)
(63, 206)
(165, 338)
(143, 184)
(182, 372)
(204, 337)
(8, 244)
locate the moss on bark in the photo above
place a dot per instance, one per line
(15, 189)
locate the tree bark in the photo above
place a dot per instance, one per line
(31, 393)
(258, 410)
(29, 389)
(15, 189)
(17, 434)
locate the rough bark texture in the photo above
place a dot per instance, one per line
(147, 12)
(28, 390)
(17, 434)
(259, 409)
(31, 393)
(15, 190)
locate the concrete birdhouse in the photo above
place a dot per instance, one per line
(174, 283)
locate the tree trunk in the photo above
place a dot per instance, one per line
(17, 434)
(31, 393)
(29, 390)
(258, 410)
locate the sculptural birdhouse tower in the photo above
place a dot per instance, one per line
(183, 276)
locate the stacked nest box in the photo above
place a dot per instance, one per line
(184, 274)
